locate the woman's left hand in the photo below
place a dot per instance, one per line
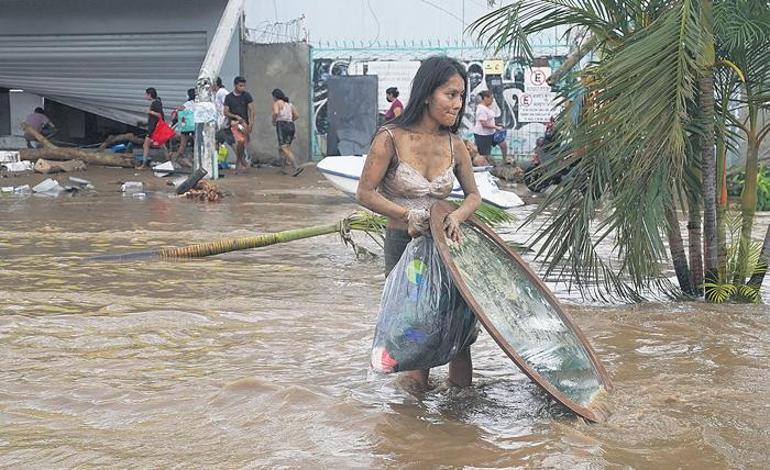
(452, 227)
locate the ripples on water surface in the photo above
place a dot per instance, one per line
(258, 358)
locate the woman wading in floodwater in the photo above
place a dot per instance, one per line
(412, 164)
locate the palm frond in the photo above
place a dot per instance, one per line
(627, 146)
(509, 27)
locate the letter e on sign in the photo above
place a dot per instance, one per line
(535, 80)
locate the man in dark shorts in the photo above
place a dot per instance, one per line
(239, 110)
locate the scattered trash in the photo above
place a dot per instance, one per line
(122, 148)
(9, 156)
(80, 181)
(15, 189)
(204, 190)
(139, 195)
(16, 167)
(49, 187)
(132, 186)
(191, 181)
(176, 182)
(77, 184)
(163, 169)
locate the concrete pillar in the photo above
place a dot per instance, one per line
(5, 112)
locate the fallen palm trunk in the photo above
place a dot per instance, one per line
(360, 221)
(62, 153)
(120, 138)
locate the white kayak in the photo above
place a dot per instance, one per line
(345, 171)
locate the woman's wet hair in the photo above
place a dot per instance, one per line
(191, 93)
(152, 92)
(218, 81)
(280, 95)
(392, 91)
(434, 72)
(485, 94)
(39, 110)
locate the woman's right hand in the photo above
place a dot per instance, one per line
(417, 222)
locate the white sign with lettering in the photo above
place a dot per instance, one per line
(536, 107)
(535, 80)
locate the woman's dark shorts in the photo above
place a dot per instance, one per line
(484, 143)
(395, 244)
(285, 132)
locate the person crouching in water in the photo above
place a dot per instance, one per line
(284, 116)
(412, 164)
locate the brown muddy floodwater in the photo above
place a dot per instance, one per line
(259, 358)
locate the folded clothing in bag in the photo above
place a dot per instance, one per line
(423, 321)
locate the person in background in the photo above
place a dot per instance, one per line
(39, 122)
(396, 107)
(239, 109)
(186, 136)
(220, 92)
(485, 128)
(284, 116)
(154, 114)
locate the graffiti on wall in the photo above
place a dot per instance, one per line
(522, 101)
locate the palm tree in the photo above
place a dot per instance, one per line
(640, 125)
(743, 37)
(637, 107)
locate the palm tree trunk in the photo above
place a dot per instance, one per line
(201, 250)
(695, 245)
(710, 245)
(722, 208)
(572, 60)
(764, 261)
(748, 206)
(678, 257)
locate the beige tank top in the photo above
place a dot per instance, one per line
(284, 114)
(408, 188)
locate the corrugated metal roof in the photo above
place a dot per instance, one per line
(104, 73)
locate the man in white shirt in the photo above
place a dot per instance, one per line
(219, 101)
(485, 127)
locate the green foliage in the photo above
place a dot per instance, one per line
(723, 290)
(632, 127)
(492, 215)
(735, 184)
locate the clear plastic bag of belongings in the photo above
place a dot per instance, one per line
(423, 320)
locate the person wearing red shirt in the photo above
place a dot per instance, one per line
(396, 107)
